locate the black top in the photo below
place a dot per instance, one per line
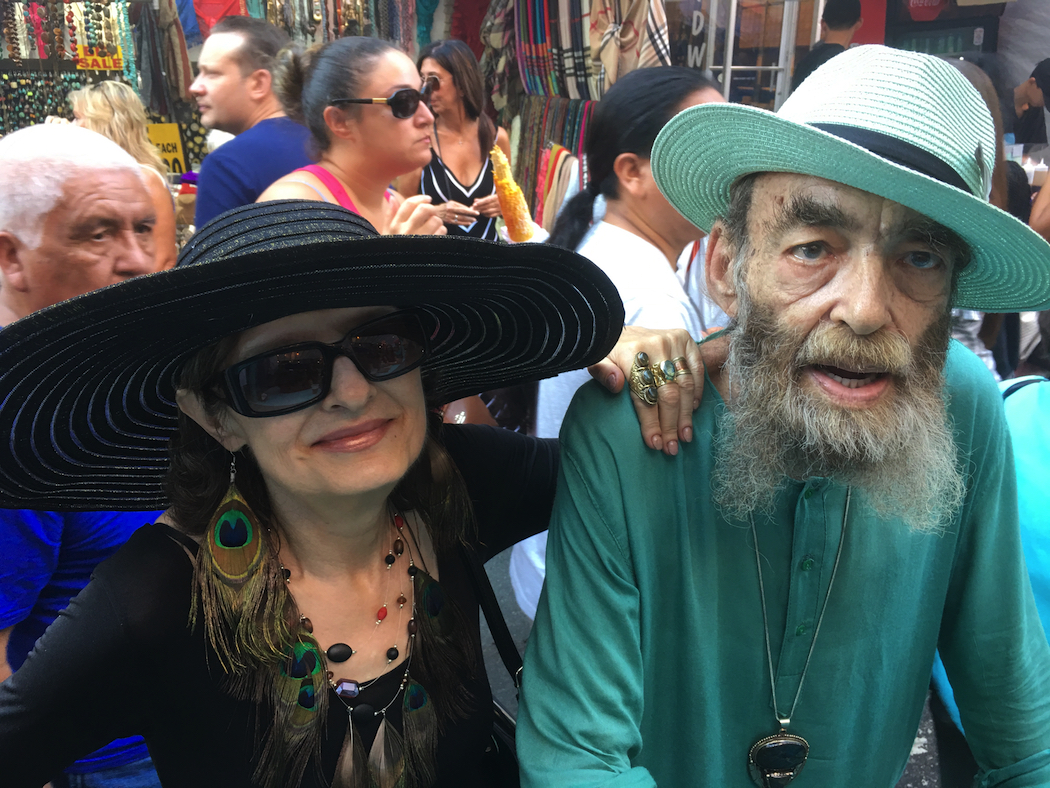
(817, 57)
(438, 181)
(121, 659)
(1030, 128)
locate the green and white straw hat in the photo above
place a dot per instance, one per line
(905, 126)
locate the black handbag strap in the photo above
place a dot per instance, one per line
(508, 651)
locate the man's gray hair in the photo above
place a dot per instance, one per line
(36, 163)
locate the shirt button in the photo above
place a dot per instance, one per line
(800, 629)
(807, 564)
(807, 494)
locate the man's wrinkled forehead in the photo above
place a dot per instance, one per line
(783, 203)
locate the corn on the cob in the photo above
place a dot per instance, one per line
(511, 201)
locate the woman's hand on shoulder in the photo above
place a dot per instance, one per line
(416, 216)
(671, 419)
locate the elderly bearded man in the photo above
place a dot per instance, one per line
(765, 607)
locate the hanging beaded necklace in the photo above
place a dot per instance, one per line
(338, 653)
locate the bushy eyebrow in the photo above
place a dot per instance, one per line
(805, 211)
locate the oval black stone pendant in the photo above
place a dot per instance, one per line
(777, 760)
(362, 714)
(339, 652)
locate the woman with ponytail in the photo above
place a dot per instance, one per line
(637, 243)
(364, 104)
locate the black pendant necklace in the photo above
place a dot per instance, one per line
(774, 761)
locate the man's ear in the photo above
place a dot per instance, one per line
(259, 84)
(718, 270)
(190, 404)
(12, 263)
(631, 169)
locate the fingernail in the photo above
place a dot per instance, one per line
(658, 442)
(611, 380)
(687, 434)
(696, 404)
(672, 448)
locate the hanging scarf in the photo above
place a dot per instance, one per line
(424, 20)
(176, 58)
(627, 34)
(148, 43)
(188, 18)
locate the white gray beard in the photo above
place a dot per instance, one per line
(901, 453)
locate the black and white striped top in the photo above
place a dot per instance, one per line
(439, 182)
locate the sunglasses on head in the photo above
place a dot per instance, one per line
(403, 103)
(287, 379)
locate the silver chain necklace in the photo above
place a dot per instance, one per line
(776, 760)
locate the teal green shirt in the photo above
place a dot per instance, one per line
(647, 663)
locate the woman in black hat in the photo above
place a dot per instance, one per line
(303, 613)
(362, 149)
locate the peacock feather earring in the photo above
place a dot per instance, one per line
(234, 539)
(238, 586)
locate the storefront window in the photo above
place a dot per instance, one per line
(769, 35)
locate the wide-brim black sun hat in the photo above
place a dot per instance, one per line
(87, 388)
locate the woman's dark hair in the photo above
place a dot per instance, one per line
(1018, 191)
(459, 61)
(307, 82)
(626, 120)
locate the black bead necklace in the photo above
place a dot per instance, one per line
(349, 689)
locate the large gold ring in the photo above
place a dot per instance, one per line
(664, 372)
(680, 366)
(642, 381)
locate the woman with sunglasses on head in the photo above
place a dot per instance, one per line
(303, 613)
(459, 176)
(360, 97)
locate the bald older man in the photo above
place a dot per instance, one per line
(75, 215)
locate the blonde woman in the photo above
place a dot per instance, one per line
(113, 110)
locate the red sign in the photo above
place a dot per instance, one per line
(925, 10)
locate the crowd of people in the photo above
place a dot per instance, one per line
(241, 531)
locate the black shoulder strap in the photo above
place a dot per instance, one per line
(1021, 384)
(493, 615)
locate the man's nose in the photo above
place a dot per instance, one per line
(136, 255)
(865, 292)
(195, 87)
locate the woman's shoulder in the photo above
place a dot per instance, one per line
(150, 578)
(297, 185)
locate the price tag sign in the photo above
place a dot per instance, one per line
(166, 137)
(99, 59)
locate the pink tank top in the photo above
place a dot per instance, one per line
(332, 184)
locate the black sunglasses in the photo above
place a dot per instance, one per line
(287, 379)
(403, 103)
